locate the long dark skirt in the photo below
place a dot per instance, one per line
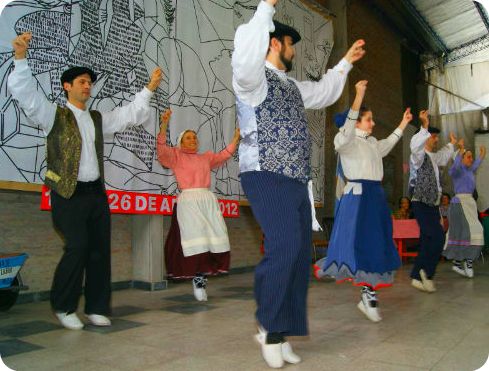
(179, 267)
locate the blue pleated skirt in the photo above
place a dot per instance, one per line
(361, 248)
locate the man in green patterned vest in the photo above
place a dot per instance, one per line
(75, 174)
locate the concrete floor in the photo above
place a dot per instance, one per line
(168, 330)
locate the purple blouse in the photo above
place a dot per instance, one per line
(463, 177)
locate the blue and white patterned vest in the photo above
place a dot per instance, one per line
(275, 133)
(425, 188)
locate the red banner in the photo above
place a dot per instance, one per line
(123, 202)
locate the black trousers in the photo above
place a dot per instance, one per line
(84, 223)
(431, 239)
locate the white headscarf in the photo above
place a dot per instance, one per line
(180, 136)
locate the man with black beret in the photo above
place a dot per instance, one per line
(425, 190)
(71, 73)
(75, 175)
(275, 168)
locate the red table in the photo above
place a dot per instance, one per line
(404, 229)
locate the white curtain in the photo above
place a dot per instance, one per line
(453, 114)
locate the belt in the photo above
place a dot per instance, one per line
(89, 187)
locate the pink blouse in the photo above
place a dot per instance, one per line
(191, 169)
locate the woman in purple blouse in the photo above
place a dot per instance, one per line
(465, 234)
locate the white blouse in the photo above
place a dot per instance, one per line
(361, 155)
(418, 151)
(24, 89)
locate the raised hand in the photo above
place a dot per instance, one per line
(271, 2)
(482, 152)
(156, 78)
(423, 116)
(461, 145)
(165, 119)
(453, 138)
(356, 52)
(361, 87)
(407, 116)
(21, 44)
(166, 116)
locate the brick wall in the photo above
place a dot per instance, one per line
(382, 68)
(24, 228)
(356, 19)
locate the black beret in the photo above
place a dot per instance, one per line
(72, 73)
(284, 30)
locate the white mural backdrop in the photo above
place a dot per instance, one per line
(123, 40)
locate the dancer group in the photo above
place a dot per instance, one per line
(275, 169)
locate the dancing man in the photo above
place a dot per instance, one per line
(425, 188)
(274, 161)
(75, 175)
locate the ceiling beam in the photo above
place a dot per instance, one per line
(433, 36)
(468, 48)
(482, 13)
(460, 52)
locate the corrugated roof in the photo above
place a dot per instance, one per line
(461, 26)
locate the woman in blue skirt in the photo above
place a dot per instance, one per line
(361, 248)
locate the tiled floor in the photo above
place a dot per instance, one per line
(169, 330)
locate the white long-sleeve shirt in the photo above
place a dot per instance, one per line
(361, 155)
(439, 158)
(23, 88)
(251, 44)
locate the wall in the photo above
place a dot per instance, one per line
(381, 66)
(24, 228)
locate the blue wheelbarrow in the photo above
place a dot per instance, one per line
(10, 280)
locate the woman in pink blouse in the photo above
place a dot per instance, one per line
(203, 232)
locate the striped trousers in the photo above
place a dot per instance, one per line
(282, 208)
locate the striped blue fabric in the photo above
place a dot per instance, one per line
(281, 206)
